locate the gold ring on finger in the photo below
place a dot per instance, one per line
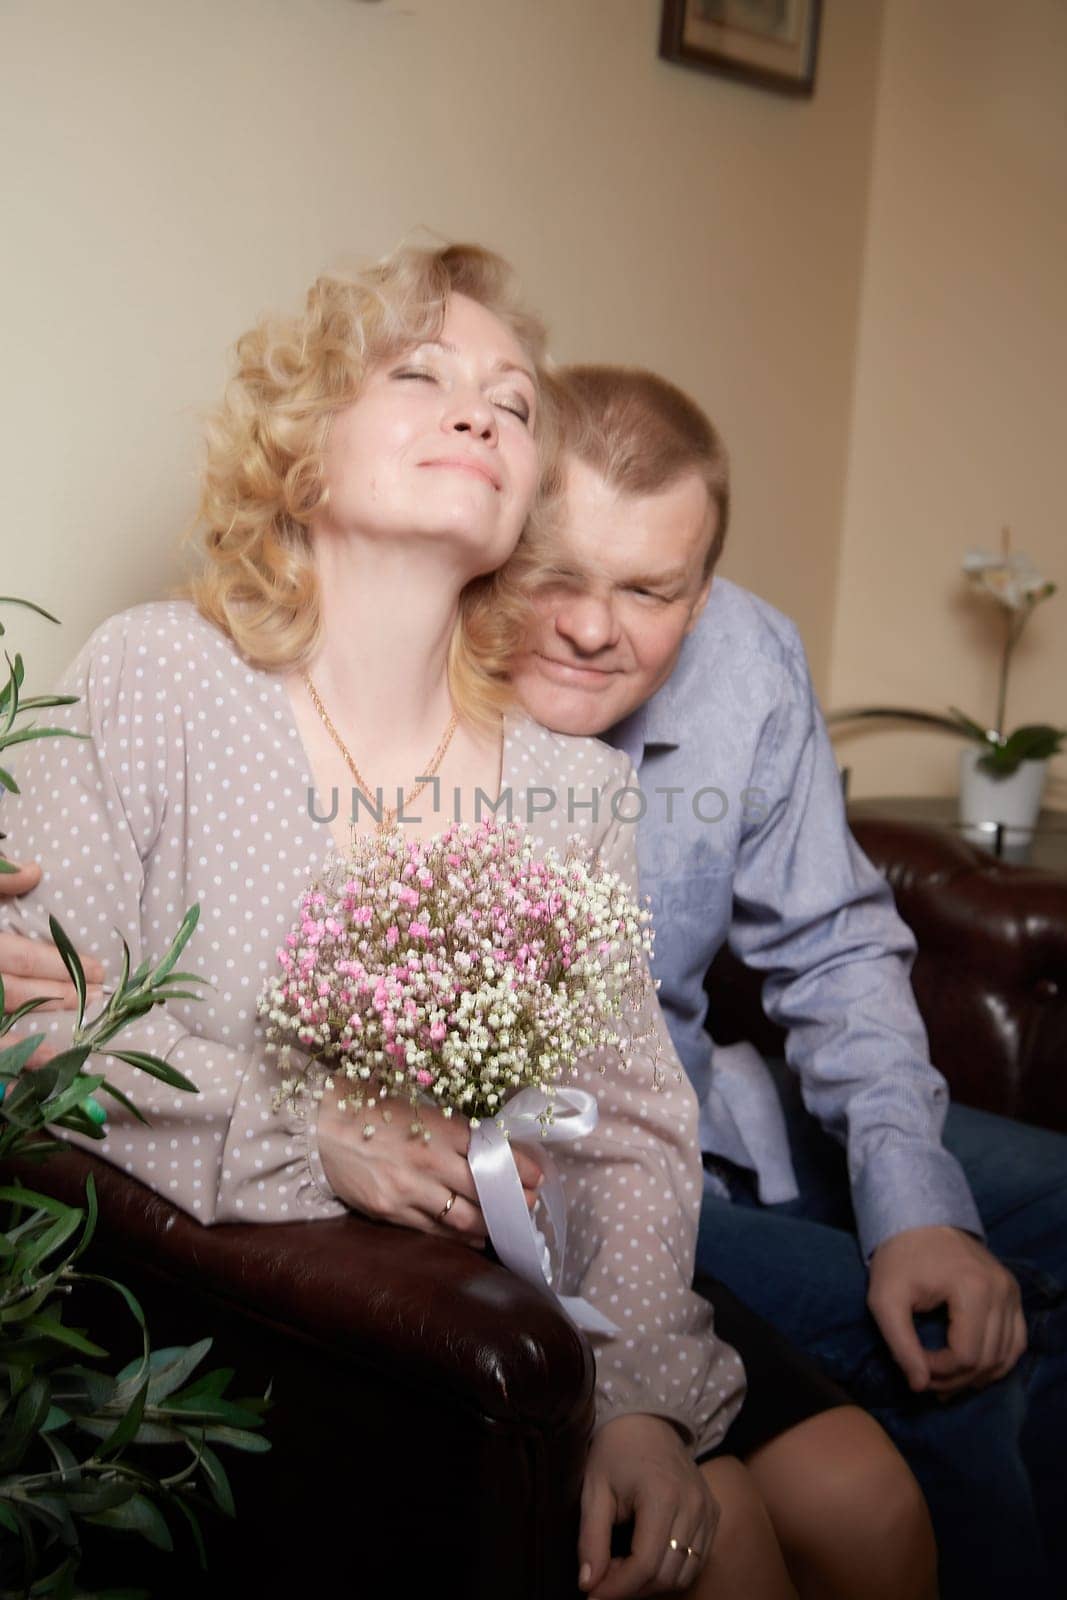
(447, 1207)
(676, 1544)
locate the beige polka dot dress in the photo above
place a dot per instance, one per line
(194, 788)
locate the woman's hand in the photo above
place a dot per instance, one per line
(33, 968)
(638, 1467)
(397, 1176)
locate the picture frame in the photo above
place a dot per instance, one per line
(771, 43)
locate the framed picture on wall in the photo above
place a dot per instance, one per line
(772, 43)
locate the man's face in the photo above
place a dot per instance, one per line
(625, 590)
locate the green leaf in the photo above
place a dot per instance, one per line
(212, 1384)
(157, 1068)
(56, 1418)
(72, 962)
(79, 1121)
(127, 1427)
(138, 1515)
(124, 1100)
(40, 702)
(11, 1017)
(194, 1524)
(178, 944)
(8, 1519)
(141, 973)
(149, 1433)
(169, 1368)
(44, 1323)
(21, 1428)
(212, 1411)
(25, 735)
(132, 1303)
(7, 866)
(75, 1097)
(15, 1057)
(120, 988)
(101, 1495)
(39, 1148)
(63, 1455)
(52, 1239)
(92, 1213)
(238, 1439)
(925, 719)
(217, 1481)
(81, 1388)
(8, 782)
(1035, 742)
(13, 600)
(16, 1195)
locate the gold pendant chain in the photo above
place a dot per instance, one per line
(389, 814)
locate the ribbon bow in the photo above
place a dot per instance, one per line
(500, 1194)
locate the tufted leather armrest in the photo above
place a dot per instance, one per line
(431, 1411)
(990, 976)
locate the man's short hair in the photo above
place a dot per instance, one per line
(642, 434)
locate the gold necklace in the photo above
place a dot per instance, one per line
(389, 815)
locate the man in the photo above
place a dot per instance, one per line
(743, 836)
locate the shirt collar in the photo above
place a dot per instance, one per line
(657, 722)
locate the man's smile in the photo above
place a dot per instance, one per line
(572, 672)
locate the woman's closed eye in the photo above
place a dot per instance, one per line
(415, 372)
(517, 404)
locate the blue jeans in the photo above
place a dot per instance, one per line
(993, 1462)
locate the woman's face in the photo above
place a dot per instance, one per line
(440, 444)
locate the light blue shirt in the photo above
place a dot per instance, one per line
(752, 846)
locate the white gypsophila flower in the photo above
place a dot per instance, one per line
(1010, 578)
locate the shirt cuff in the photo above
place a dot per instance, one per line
(908, 1184)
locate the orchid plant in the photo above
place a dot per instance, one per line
(1014, 585)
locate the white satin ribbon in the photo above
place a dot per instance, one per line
(500, 1193)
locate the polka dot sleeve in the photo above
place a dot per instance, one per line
(120, 823)
(633, 1190)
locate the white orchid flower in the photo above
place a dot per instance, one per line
(1011, 579)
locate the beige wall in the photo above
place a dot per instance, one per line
(960, 414)
(171, 169)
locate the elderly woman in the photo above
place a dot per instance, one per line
(374, 466)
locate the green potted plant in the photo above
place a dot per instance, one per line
(84, 1447)
(1002, 774)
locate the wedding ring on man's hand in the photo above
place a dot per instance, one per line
(676, 1544)
(447, 1207)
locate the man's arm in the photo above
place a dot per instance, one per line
(814, 915)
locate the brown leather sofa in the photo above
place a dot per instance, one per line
(430, 1411)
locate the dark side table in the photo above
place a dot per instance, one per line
(1044, 846)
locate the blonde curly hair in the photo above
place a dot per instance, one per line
(263, 478)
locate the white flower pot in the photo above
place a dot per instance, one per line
(1014, 802)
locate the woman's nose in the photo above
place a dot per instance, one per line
(587, 622)
(472, 413)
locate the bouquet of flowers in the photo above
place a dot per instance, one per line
(468, 972)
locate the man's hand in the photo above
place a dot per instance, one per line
(638, 1467)
(923, 1268)
(398, 1177)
